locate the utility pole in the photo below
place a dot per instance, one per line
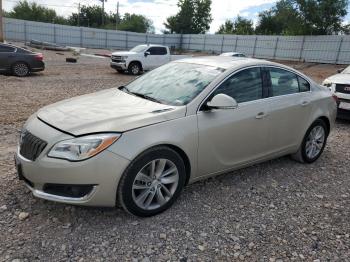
(117, 18)
(1, 26)
(78, 14)
(103, 11)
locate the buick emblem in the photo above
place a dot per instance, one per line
(347, 88)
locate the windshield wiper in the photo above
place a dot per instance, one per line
(144, 96)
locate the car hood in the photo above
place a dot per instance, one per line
(125, 53)
(106, 111)
(340, 78)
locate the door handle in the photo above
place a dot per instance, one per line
(305, 103)
(260, 115)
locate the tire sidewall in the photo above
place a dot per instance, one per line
(127, 180)
(321, 123)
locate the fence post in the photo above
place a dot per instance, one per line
(146, 38)
(106, 38)
(256, 39)
(163, 39)
(236, 44)
(339, 49)
(222, 43)
(276, 45)
(25, 32)
(54, 33)
(81, 37)
(205, 37)
(189, 42)
(126, 41)
(302, 48)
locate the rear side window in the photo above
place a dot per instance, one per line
(304, 85)
(283, 82)
(243, 86)
(6, 49)
(157, 51)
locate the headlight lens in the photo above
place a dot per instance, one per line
(327, 83)
(82, 148)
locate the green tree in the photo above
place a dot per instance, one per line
(90, 16)
(303, 17)
(194, 17)
(240, 26)
(136, 23)
(34, 12)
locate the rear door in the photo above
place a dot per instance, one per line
(288, 108)
(7, 56)
(158, 56)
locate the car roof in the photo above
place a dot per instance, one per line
(232, 53)
(152, 45)
(9, 45)
(225, 62)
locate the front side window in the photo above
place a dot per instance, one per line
(6, 49)
(157, 51)
(283, 82)
(304, 85)
(243, 86)
(175, 83)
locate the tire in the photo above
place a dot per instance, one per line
(304, 154)
(120, 71)
(142, 195)
(20, 69)
(134, 68)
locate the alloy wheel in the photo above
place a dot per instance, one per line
(315, 142)
(20, 69)
(155, 184)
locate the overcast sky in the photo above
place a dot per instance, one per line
(159, 10)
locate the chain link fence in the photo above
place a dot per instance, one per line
(334, 49)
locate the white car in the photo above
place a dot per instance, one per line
(142, 58)
(233, 54)
(339, 84)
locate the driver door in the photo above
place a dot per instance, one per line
(229, 138)
(157, 57)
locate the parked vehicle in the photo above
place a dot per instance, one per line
(233, 54)
(140, 144)
(339, 85)
(142, 58)
(19, 61)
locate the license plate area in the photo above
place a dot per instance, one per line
(344, 105)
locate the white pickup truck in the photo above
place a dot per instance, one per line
(142, 58)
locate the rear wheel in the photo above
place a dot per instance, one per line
(152, 182)
(134, 68)
(313, 143)
(20, 69)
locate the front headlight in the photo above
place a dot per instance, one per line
(327, 83)
(82, 148)
(123, 57)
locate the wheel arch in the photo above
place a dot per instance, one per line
(327, 122)
(136, 61)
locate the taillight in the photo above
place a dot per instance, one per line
(39, 57)
(335, 98)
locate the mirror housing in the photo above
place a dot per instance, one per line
(222, 101)
(147, 53)
(340, 70)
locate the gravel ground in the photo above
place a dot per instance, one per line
(276, 211)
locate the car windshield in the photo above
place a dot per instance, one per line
(346, 70)
(139, 48)
(174, 83)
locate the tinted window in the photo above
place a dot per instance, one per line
(243, 86)
(304, 85)
(283, 82)
(157, 51)
(4, 48)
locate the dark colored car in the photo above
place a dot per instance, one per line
(19, 61)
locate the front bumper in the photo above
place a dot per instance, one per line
(102, 172)
(118, 65)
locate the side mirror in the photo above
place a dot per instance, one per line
(147, 53)
(340, 70)
(222, 101)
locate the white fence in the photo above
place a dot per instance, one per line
(320, 49)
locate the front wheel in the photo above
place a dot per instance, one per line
(134, 68)
(20, 69)
(313, 143)
(152, 182)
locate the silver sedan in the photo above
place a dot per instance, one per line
(140, 144)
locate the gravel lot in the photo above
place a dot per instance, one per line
(276, 211)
